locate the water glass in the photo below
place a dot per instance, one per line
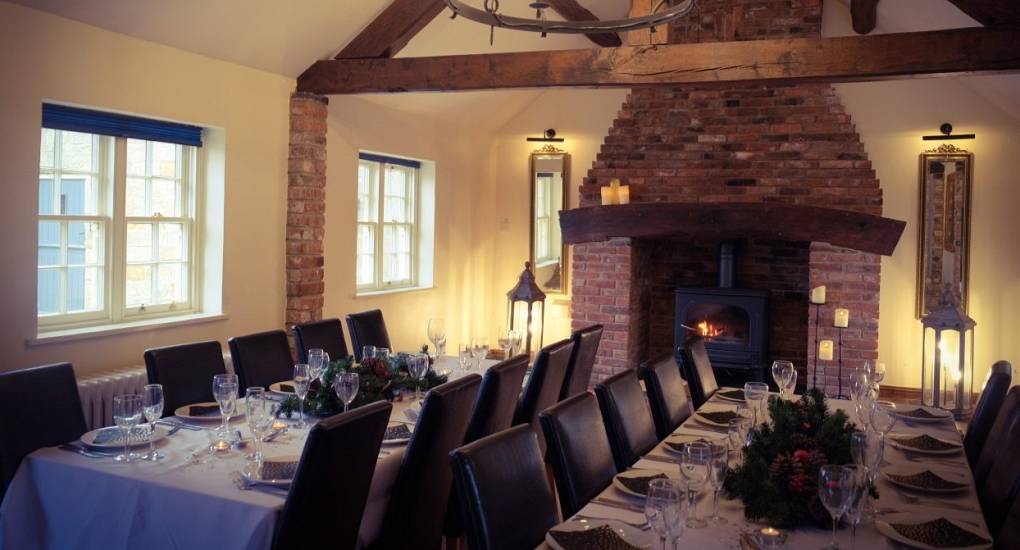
(318, 360)
(663, 509)
(418, 367)
(738, 434)
(834, 489)
(720, 468)
(346, 386)
(695, 465)
(436, 332)
(258, 413)
(755, 393)
(152, 406)
(302, 379)
(382, 353)
(224, 389)
(464, 356)
(858, 490)
(479, 349)
(367, 352)
(127, 413)
(782, 372)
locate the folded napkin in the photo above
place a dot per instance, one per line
(603, 538)
(139, 434)
(203, 410)
(287, 388)
(279, 468)
(940, 533)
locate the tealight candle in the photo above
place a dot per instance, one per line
(221, 446)
(279, 425)
(623, 194)
(825, 350)
(818, 295)
(842, 318)
(770, 537)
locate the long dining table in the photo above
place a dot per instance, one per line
(190, 499)
(737, 532)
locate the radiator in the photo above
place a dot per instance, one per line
(97, 393)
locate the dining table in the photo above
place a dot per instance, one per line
(61, 498)
(739, 533)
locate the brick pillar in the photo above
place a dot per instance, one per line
(306, 207)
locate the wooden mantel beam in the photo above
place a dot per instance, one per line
(388, 33)
(791, 60)
(571, 10)
(991, 12)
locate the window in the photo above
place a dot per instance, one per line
(545, 245)
(389, 225)
(117, 235)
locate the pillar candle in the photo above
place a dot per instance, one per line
(842, 319)
(608, 196)
(825, 350)
(623, 194)
(818, 295)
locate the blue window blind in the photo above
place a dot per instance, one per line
(391, 160)
(60, 117)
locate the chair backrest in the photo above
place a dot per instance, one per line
(543, 387)
(505, 496)
(1009, 413)
(999, 484)
(667, 396)
(999, 379)
(1008, 537)
(186, 372)
(627, 417)
(420, 494)
(697, 370)
(367, 329)
(327, 334)
(39, 407)
(261, 359)
(331, 484)
(582, 461)
(582, 360)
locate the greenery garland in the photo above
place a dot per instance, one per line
(778, 480)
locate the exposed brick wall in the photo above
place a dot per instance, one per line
(306, 207)
(729, 20)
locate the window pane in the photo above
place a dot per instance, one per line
(396, 182)
(134, 197)
(135, 157)
(139, 242)
(49, 291)
(49, 243)
(171, 283)
(46, 196)
(139, 285)
(78, 196)
(164, 197)
(396, 253)
(164, 159)
(396, 209)
(171, 241)
(367, 186)
(84, 241)
(75, 289)
(46, 148)
(93, 288)
(76, 151)
(366, 254)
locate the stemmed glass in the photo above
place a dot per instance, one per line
(858, 489)
(417, 367)
(695, 463)
(318, 360)
(258, 413)
(346, 386)
(382, 353)
(737, 432)
(436, 332)
(464, 356)
(834, 490)
(367, 352)
(224, 389)
(878, 374)
(479, 349)
(302, 379)
(663, 508)
(867, 449)
(152, 406)
(720, 468)
(782, 371)
(882, 418)
(755, 394)
(127, 413)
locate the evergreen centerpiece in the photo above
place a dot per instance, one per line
(778, 480)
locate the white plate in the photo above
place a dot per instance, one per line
(894, 441)
(636, 472)
(182, 412)
(887, 530)
(275, 388)
(955, 476)
(719, 394)
(942, 416)
(89, 438)
(632, 535)
(688, 439)
(698, 416)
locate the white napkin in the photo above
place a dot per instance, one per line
(412, 413)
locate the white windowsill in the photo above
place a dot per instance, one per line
(371, 293)
(70, 335)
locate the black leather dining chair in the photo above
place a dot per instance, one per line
(1009, 414)
(667, 396)
(186, 372)
(261, 359)
(504, 493)
(543, 387)
(697, 369)
(330, 489)
(367, 329)
(493, 412)
(582, 360)
(582, 461)
(327, 335)
(61, 419)
(1000, 483)
(627, 417)
(1008, 537)
(421, 492)
(999, 379)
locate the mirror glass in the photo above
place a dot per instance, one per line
(944, 239)
(549, 174)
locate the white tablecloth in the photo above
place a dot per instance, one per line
(62, 500)
(727, 536)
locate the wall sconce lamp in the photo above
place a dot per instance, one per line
(548, 137)
(947, 133)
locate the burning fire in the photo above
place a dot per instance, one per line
(708, 330)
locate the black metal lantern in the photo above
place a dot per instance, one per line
(526, 308)
(947, 370)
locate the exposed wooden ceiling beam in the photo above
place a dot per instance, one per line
(388, 33)
(990, 12)
(837, 59)
(571, 10)
(864, 15)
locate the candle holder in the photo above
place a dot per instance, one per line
(839, 367)
(814, 373)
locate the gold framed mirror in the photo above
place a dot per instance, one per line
(943, 255)
(548, 174)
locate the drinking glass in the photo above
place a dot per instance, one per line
(755, 393)
(858, 490)
(257, 414)
(367, 351)
(318, 360)
(744, 411)
(382, 353)
(782, 371)
(152, 406)
(224, 388)
(417, 367)
(720, 468)
(436, 332)
(737, 433)
(663, 507)
(879, 374)
(866, 449)
(127, 413)
(302, 379)
(834, 493)
(504, 343)
(695, 463)
(464, 356)
(882, 418)
(516, 337)
(791, 386)
(479, 349)
(346, 386)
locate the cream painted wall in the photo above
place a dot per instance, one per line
(48, 57)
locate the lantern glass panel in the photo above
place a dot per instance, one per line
(968, 369)
(952, 375)
(928, 380)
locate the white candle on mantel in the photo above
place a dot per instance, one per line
(825, 350)
(842, 318)
(608, 196)
(623, 194)
(818, 295)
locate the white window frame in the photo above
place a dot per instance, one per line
(546, 215)
(377, 200)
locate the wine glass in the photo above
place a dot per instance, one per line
(436, 332)
(879, 374)
(224, 388)
(755, 394)
(695, 463)
(258, 416)
(382, 353)
(720, 468)
(737, 433)
(127, 413)
(152, 406)
(367, 352)
(318, 360)
(479, 349)
(302, 379)
(834, 493)
(867, 449)
(663, 507)
(882, 418)
(782, 371)
(791, 386)
(504, 342)
(346, 386)
(417, 367)
(464, 356)
(516, 337)
(858, 489)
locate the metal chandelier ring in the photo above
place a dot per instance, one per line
(494, 19)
